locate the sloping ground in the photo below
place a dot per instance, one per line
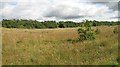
(51, 46)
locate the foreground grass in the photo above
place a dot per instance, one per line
(51, 46)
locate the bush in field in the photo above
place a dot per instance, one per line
(97, 31)
(115, 30)
(86, 32)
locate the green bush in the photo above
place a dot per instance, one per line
(86, 35)
(86, 32)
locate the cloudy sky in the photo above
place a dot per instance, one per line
(74, 10)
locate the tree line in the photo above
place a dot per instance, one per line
(23, 23)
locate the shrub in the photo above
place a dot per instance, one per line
(97, 31)
(87, 35)
(90, 35)
(86, 32)
(115, 30)
(72, 40)
(69, 40)
(20, 41)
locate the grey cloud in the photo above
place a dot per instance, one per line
(103, 0)
(72, 17)
(57, 14)
(119, 6)
(117, 17)
(60, 14)
(112, 5)
(3, 4)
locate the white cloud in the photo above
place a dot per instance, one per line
(54, 10)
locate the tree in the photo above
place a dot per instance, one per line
(24, 23)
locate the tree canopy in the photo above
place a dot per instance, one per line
(23, 23)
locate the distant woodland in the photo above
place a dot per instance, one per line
(31, 24)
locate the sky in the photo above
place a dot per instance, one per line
(60, 10)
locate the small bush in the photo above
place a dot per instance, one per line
(90, 35)
(86, 32)
(20, 41)
(69, 40)
(115, 30)
(86, 35)
(102, 44)
(97, 31)
(118, 59)
(72, 40)
(32, 60)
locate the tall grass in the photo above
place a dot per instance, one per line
(51, 46)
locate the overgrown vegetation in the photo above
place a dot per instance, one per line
(20, 23)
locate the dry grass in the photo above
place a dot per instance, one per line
(50, 46)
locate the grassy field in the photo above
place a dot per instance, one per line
(52, 47)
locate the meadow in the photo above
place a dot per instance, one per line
(54, 47)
